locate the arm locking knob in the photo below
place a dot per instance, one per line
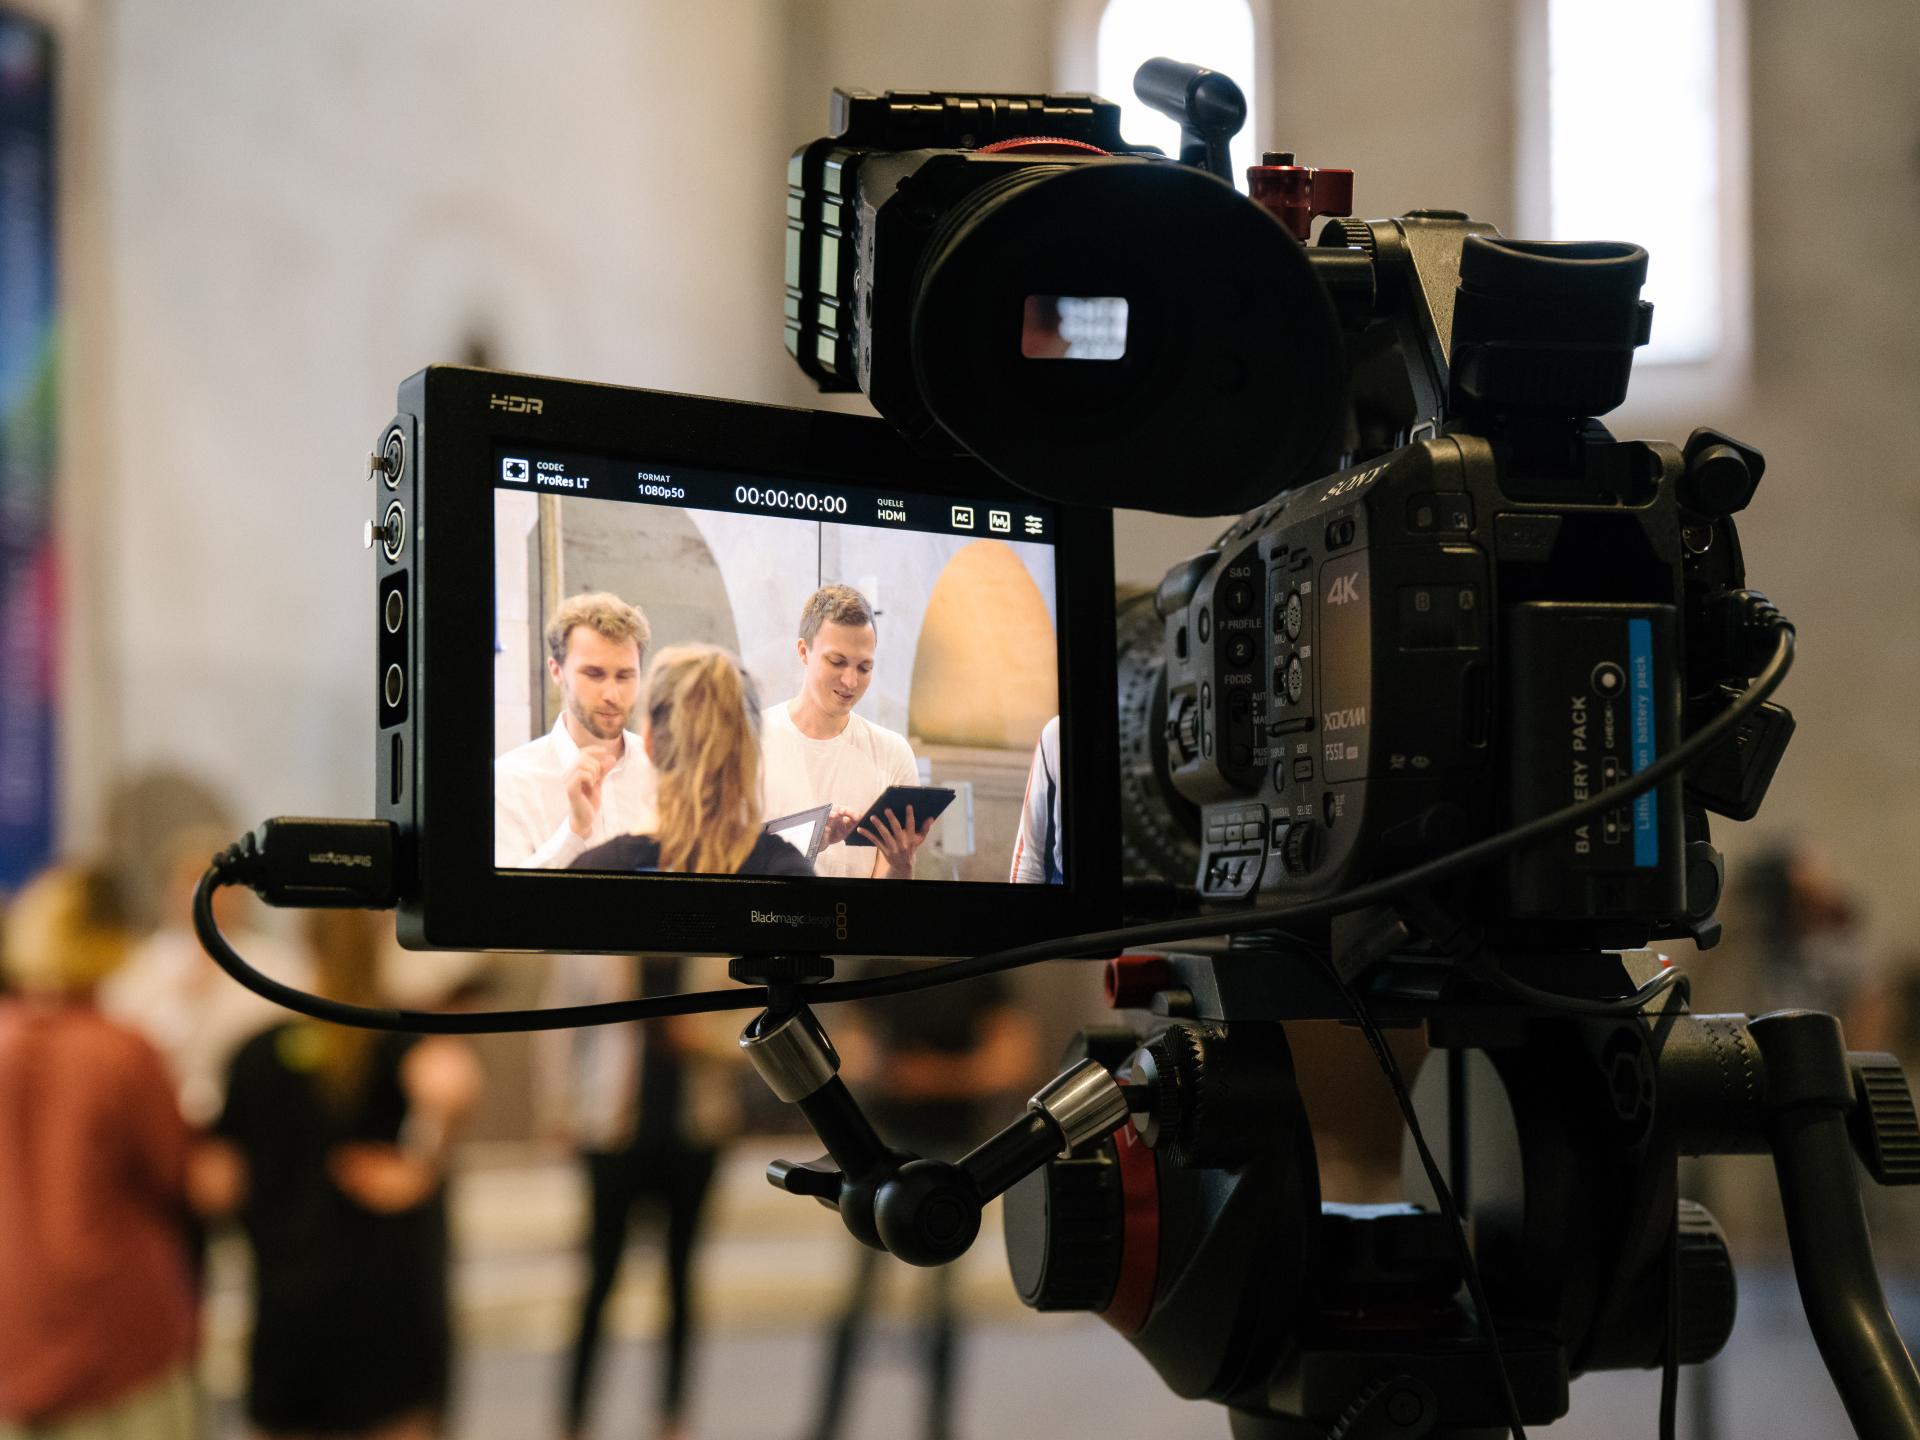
(1886, 1130)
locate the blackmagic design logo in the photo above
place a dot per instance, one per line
(773, 917)
(517, 404)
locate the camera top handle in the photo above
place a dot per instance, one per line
(1209, 108)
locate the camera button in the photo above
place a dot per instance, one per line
(1452, 514)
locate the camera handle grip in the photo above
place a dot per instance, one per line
(1809, 1096)
(1209, 108)
(926, 1212)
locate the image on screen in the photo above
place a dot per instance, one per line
(704, 672)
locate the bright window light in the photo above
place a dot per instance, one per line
(1634, 153)
(1215, 33)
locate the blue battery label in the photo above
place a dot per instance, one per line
(1646, 815)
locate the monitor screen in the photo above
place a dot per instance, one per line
(900, 653)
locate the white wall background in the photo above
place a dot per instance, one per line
(276, 212)
(297, 207)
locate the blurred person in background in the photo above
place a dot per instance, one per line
(332, 1150)
(174, 994)
(648, 1108)
(1801, 930)
(933, 1063)
(97, 1313)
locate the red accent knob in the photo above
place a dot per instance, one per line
(1133, 1289)
(1133, 980)
(1296, 194)
(1041, 145)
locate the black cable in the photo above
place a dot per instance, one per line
(434, 1022)
(1671, 977)
(1443, 1196)
(232, 867)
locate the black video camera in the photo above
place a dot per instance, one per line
(1490, 608)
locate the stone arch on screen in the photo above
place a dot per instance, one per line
(985, 672)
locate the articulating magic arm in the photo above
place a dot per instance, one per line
(926, 1212)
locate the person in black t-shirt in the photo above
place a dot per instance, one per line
(649, 1107)
(332, 1151)
(703, 737)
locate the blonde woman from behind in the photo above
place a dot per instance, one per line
(703, 736)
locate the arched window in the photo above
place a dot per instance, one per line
(1218, 34)
(1644, 109)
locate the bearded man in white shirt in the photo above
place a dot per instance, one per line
(817, 751)
(588, 779)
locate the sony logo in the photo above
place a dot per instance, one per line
(1352, 483)
(334, 857)
(517, 404)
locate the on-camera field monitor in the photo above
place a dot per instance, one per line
(504, 499)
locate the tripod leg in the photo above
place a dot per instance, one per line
(1809, 1095)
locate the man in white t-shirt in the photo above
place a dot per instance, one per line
(588, 779)
(817, 751)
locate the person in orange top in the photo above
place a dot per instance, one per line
(98, 1325)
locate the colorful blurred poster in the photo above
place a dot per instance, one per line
(28, 360)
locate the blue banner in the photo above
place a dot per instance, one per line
(29, 594)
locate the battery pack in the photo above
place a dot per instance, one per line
(1593, 696)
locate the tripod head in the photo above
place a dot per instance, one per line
(1195, 1226)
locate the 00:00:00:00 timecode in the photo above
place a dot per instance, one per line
(790, 500)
